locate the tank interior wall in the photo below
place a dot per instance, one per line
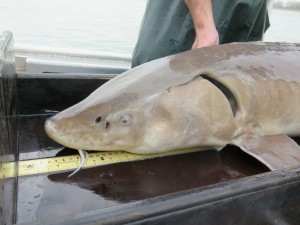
(8, 128)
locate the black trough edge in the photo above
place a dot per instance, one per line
(140, 212)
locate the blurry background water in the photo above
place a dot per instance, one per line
(100, 25)
(97, 25)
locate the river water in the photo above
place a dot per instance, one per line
(100, 25)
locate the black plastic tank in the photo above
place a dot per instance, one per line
(209, 187)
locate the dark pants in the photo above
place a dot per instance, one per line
(167, 27)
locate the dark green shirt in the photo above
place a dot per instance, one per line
(167, 27)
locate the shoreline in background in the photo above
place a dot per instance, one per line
(287, 4)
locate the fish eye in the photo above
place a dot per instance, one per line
(98, 119)
(125, 120)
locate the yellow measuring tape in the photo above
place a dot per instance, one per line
(65, 163)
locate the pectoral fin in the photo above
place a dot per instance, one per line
(276, 152)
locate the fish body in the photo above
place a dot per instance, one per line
(245, 94)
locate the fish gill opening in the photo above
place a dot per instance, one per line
(225, 90)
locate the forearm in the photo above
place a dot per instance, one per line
(201, 11)
(202, 15)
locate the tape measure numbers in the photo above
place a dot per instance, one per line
(65, 163)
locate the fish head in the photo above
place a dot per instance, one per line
(116, 115)
(102, 124)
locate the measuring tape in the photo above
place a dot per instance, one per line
(65, 163)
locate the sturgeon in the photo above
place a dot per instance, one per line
(244, 94)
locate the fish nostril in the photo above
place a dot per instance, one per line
(98, 119)
(107, 125)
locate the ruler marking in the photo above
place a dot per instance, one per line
(65, 163)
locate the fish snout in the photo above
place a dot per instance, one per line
(50, 126)
(51, 119)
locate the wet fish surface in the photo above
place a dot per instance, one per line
(245, 94)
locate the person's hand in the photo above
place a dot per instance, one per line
(206, 37)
